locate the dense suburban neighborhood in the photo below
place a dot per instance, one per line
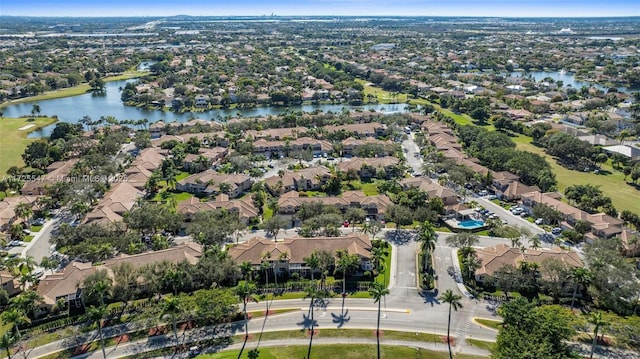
(449, 177)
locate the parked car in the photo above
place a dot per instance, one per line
(556, 230)
(346, 223)
(39, 222)
(484, 192)
(194, 351)
(538, 221)
(16, 243)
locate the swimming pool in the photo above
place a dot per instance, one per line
(471, 224)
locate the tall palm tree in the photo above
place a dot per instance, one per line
(428, 238)
(246, 291)
(23, 211)
(172, 307)
(5, 342)
(95, 315)
(455, 304)
(313, 262)
(312, 294)
(346, 262)
(16, 317)
(598, 322)
(580, 277)
(246, 268)
(378, 291)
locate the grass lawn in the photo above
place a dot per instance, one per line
(28, 238)
(381, 95)
(267, 212)
(14, 141)
(493, 324)
(4, 328)
(182, 196)
(481, 344)
(182, 175)
(623, 195)
(385, 277)
(345, 351)
(36, 228)
(76, 90)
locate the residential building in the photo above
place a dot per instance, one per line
(67, 284)
(287, 256)
(9, 283)
(494, 258)
(244, 207)
(369, 167)
(210, 182)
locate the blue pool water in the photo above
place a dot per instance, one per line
(471, 224)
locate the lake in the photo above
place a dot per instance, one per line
(71, 109)
(568, 79)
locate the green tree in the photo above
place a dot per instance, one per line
(313, 262)
(172, 306)
(5, 342)
(246, 292)
(35, 109)
(599, 322)
(378, 292)
(580, 277)
(454, 303)
(94, 315)
(16, 317)
(428, 239)
(345, 263)
(96, 287)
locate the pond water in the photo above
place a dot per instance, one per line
(568, 79)
(71, 109)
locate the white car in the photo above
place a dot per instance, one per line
(16, 243)
(538, 221)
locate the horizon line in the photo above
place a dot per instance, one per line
(334, 16)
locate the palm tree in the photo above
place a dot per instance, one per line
(16, 317)
(23, 211)
(378, 291)
(28, 264)
(454, 302)
(5, 342)
(312, 294)
(246, 268)
(246, 291)
(313, 262)
(599, 322)
(172, 307)
(95, 315)
(345, 263)
(581, 277)
(428, 238)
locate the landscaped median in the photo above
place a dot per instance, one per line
(394, 344)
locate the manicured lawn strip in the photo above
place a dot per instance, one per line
(347, 351)
(385, 277)
(493, 324)
(623, 195)
(344, 333)
(381, 95)
(14, 141)
(481, 344)
(74, 91)
(36, 228)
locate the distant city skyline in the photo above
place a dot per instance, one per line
(497, 8)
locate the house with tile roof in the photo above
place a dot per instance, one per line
(9, 283)
(244, 207)
(67, 283)
(209, 181)
(494, 258)
(288, 255)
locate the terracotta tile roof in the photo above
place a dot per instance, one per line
(298, 248)
(494, 258)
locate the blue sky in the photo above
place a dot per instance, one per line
(518, 8)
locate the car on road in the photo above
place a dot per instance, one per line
(194, 351)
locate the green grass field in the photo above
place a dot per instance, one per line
(345, 351)
(13, 141)
(75, 90)
(493, 324)
(624, 196)
(381, 95)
